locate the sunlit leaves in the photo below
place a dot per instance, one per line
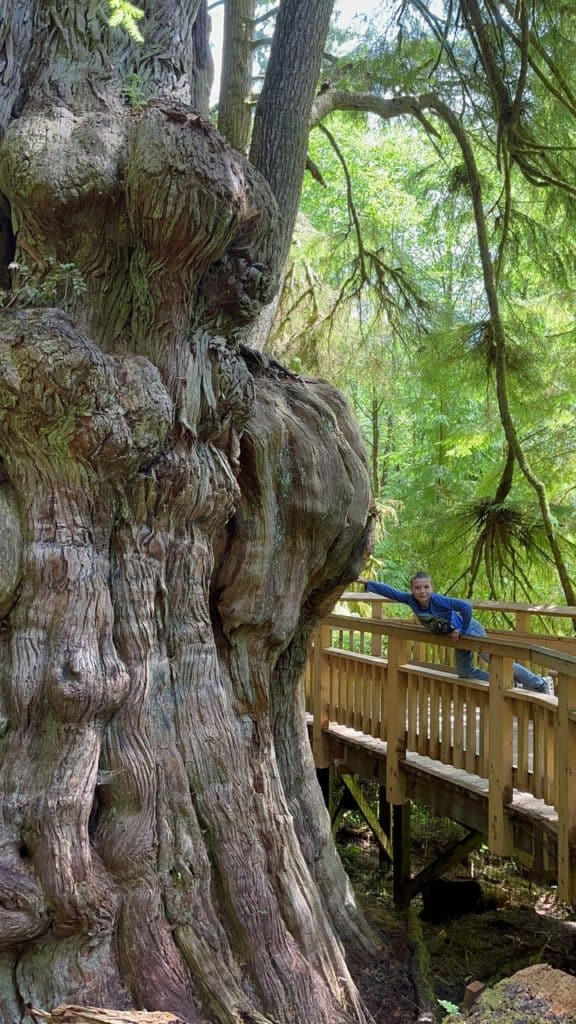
(126, 16)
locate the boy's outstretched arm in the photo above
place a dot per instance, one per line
(384, 590)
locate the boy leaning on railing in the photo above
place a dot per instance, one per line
(450, 615)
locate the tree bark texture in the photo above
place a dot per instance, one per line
(177, 511)
(282, 120)
(234, 111)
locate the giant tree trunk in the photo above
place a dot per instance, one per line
(176, 513)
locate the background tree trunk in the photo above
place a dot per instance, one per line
(181, 511)
(234, 110)
(282, 119)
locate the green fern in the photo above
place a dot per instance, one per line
(125, 15)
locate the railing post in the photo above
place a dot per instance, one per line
(522, 622)
(376, 646)
(500, 724)
(321, 696)
(396, 731)
(566, 787)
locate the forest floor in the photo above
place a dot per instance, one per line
(525, 926)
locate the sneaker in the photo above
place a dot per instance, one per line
(549, 686)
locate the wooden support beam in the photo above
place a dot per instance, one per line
(444, 862)
(401, 853)
(500, 721)
(566, 787)
(337, 814)
(368, 814)
(384, 821)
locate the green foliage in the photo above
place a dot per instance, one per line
(353, 860)
(54, 284)
(386, 294)
(126, 16)
(134, 90)
(449, 1008)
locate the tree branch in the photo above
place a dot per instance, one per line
(339, 99)
(350, 201)
(264, 17)
(415, 105)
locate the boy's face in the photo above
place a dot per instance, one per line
(422, 590)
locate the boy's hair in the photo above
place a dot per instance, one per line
(419, 576)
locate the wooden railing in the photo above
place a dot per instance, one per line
(532, 621)
(388, 679)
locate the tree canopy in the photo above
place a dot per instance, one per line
(442, 241)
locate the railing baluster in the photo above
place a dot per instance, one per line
(434, 746)
(539, 765)
(366, 699)
(383, 702)
(359, 697)
(349, 719)
(446, 726)
(423, 715)
(470, 761)
(549, 751)
(522, 723)
(459, 726)
(412, 712)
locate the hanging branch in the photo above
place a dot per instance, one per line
(370, 262)
(532, 157)
(481, 41)
(508, 109)
(353, 213)
(557, 85)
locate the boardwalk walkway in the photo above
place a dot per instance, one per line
(385, 703)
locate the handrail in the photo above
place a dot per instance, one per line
(516, 649)
(511, 737)
(558, 610)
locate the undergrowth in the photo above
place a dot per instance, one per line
(525, 925)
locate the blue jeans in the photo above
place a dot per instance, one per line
(522, 676)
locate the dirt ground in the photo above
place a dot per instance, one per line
(525, 926)
(385, 981)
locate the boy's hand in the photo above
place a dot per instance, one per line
(455, 634)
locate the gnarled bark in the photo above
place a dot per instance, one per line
(181, 511)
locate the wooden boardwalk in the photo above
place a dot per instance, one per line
(385, 704)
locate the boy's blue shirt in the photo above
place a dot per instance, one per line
(442, 615)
